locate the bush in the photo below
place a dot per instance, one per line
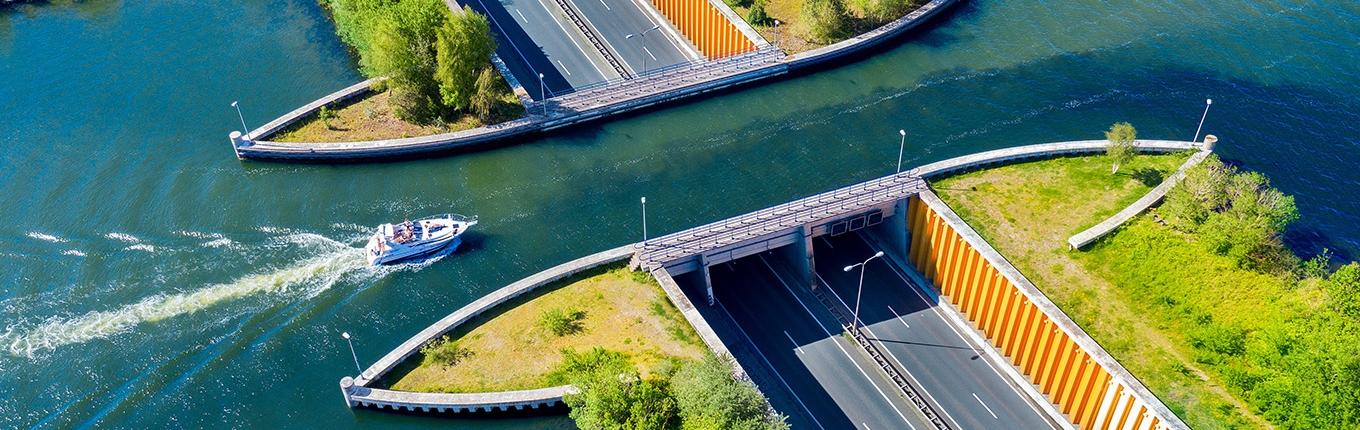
(708, 398)
(562, 321)
(757, 15)
(464, 49)
(882, 11)
(826, 20)
(1237, 214)
(1343, 289)
(444, 351)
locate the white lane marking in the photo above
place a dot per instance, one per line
(564, 67)
(866, 426)
(573, 39)
(521, 16)
(899, 317)
(989, 410)
(828, 242)
(899, 362)
(795, 343)
(838, 344)
(606, 6)
(770, 366)
(649, 53)
(608, 46)
(653, 15)
(917, 289)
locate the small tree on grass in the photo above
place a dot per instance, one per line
(484, 98)
(1120, 150)
(402, 47)
(757, 15)
(444, 351)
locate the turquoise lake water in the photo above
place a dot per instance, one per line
(148, 279)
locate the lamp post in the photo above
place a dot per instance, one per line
(901, 148)
(351, 351)
(776, 34)
(1207, 103)
(542, 95)
(244, 129)
(854, 324)
(643, 35)
(644, 219)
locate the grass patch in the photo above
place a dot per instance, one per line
(1172, 313)
(369, 117)
(517, 346)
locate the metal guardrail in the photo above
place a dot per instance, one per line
(658, 251)
(659, 80)
(907, 389)
(575, 17)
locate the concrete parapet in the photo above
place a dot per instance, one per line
(279, 123)
(696, 320)
(1109, 224)
(412, 345)
(1045, 150)
(455, 402)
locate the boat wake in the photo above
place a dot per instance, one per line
(305, 279)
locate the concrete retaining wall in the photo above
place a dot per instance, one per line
(1108, 225)
(279, 123)
(357, 392)
(1046, 150)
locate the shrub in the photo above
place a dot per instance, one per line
(708, 398)
(444, 351)
(1237, 214)
(757, 15)
(882, 11)
(562, 321)
(464, 48)
(326, 115)
(1343, 289)
(825, 19)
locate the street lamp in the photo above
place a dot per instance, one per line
(776, 34)
(351, 351)
(854, 323)
(901, 148)
(244, 129)
(643, 35)
(1207, 102)
(644, 219)
(542, 97)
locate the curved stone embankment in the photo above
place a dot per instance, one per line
(573, 108)
(358, 393)
(1045, 150)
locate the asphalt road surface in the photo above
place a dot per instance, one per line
(907, 326)
(832, 380)
(536, 38)
(614, 20)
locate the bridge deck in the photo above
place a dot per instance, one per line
(658, 251)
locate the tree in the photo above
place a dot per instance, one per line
(402, 48)
(826, 19)
(1343, 288)
(1120, 150)
(1237, 214)
(484, 98)
(464, 51)
(708, 398)
(611, 395)
(882, 11)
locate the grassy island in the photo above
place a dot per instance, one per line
(1226, 337)
(519, 345)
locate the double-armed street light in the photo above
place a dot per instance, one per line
(643, 35)
(854, 324)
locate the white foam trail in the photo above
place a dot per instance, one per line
(123, 237)
(318, 274)
(200, 235)
(73, 252)
(217, 243)
(141, 247)
(46, 237)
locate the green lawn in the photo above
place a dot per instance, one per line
(369, 117)
(511, 349)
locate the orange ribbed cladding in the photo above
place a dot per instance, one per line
(1068, 375)
(705, 27)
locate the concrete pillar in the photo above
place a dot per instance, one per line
(1209, 141)
(798, 256)
(805, 239)
(237, 141)
(346, 385)
(708, 280)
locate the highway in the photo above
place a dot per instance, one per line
(614, 20)
(910, 329)
(534, 40)
(831, 380)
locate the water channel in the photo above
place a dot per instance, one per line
(149, 279)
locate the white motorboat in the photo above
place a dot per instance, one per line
(419, 238)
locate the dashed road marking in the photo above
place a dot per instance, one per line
(989, 410)
(564, 67)
(899, 317)
(521, 16)
(795, 343)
